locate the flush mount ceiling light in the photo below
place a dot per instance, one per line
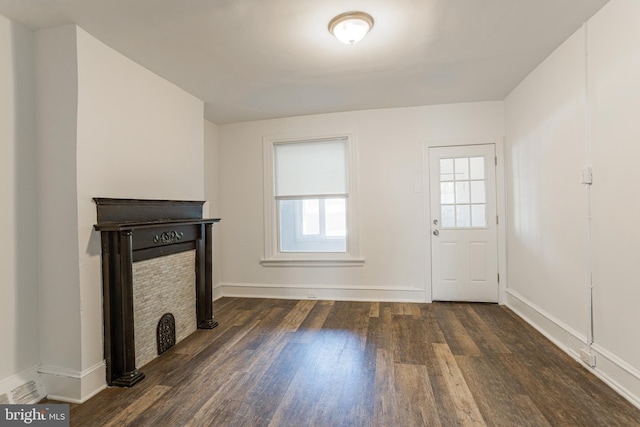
(351, 27)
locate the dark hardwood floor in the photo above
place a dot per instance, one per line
(325, 363)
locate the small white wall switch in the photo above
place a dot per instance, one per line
(586, 177)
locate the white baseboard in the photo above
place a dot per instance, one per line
(25, 387)
(217, 292)
(618, 374)
(322, 292)
(73, 386)
(612, 370)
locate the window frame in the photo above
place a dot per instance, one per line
(272, 254)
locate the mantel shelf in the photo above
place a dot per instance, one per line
(132, 225)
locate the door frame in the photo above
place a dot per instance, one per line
(498, 142)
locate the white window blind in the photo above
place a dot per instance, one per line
(311, 168)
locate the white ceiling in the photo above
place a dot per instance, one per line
(259, 59)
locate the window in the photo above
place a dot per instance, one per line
(310, 202)
(312, 225)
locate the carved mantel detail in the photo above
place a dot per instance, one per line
(168, 237)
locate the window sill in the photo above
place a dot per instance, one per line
(309, 262)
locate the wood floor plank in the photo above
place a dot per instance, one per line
(456, 335)
(210, 356)
(445, 402)
(402, 309)
(519, 337)
(213, 407)
(412, 342)
(339, 363)
(274, 383)
(140, 405)
(415, 402)
(483, 336)
(296, 316)
(350, 393)
(592, 406)
(501, 399)
(556, 406)
(307, 387)
(375, 309)
(384, 335)
(267, 339)
(467, 411)
(352, 317)
(385, 399)
(416, 311)
(313, 323)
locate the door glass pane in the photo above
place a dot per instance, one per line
(463, 216)
(446, 169)
(448, 216)
(462, 192)
(477, 192)
(478, 216)
(447, 196)
(477, 167)
(462, 168)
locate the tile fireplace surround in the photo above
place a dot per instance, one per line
(135, 230)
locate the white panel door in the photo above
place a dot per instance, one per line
(464, 243)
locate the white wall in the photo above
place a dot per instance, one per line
(614, 91)
(57, 199)
(546, 149)
(547, 208)
(19, 333)
(391, 211)
(131, 135)
(139, 136)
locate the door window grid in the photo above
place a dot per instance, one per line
(462, 192)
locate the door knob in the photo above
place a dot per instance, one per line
(436, 233)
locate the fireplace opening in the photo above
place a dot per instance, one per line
(163, 285)
(166, 333)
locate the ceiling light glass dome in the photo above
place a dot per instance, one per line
(351, 27)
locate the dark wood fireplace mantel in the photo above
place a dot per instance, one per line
(134, 230)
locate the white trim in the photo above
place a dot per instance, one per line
(217, 292)
(9, 384)
(617, 374)
(323, 292)
(73, 386)
(272, 256)
(315, 262)
(70, 373)
(67, 399)
(501, 201)
(611, 369)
